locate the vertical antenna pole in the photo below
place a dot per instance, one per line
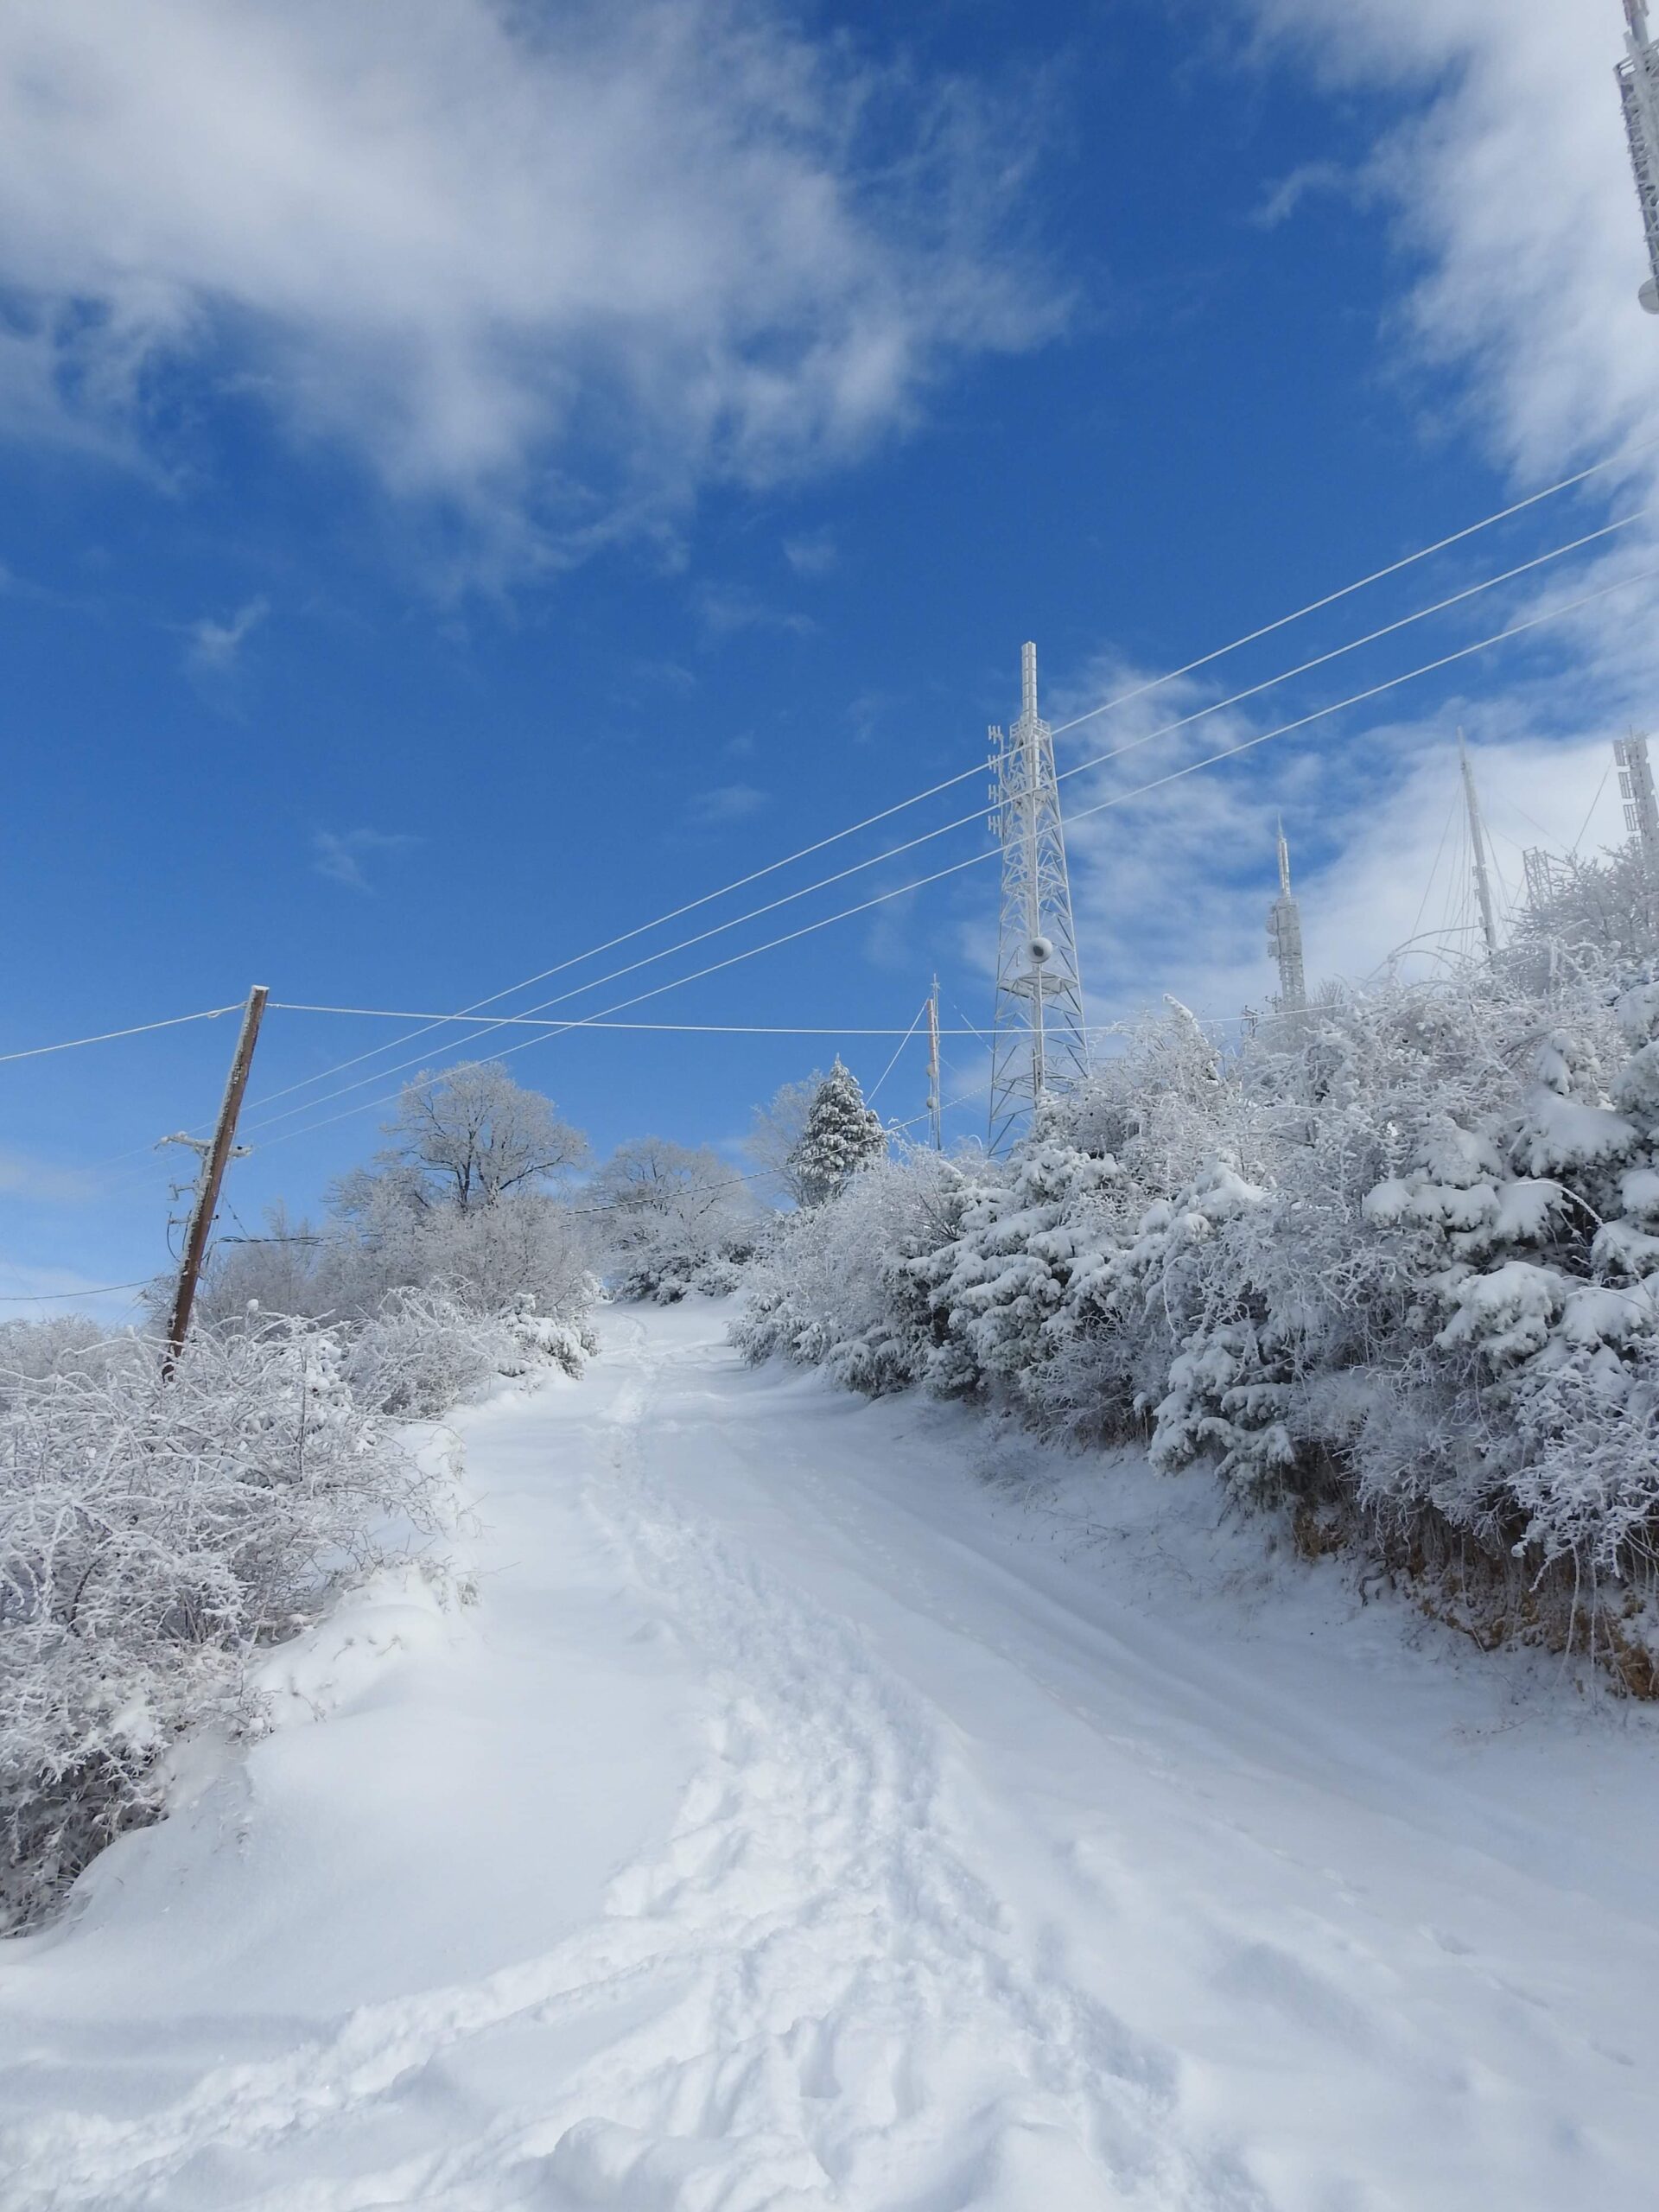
(210, 1181)
(935, 1105)
(1477, 842)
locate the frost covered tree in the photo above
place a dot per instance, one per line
(470, 1136)
(774, 1135)
(676, 1219)
(840, 1136)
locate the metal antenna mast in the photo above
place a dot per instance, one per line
(1638, 90)
(1477, 844)
(935, 1102)
(1284, 937)
(1039, 1042)
(1635, 789)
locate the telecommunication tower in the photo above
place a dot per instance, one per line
(1638, 89)
(1284, 937)
(1636, 789)
(1039, 1042)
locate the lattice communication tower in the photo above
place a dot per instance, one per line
(1040, 1043)
(1638, 90)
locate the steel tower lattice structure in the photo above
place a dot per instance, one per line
(1284, 937)
(1039, 1042)
(1638, 90)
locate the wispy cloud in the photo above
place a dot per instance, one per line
(214, 646)
(339, 853)
(814, 554)
(726, 609)
(553, 269)
(27, 1175)
(1308, 180)
(728, 803)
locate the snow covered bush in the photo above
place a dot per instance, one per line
(1395, 1262)
(834, 1287)
(152, 1537)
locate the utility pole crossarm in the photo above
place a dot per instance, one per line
(217, 1158)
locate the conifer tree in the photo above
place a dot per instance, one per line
(842, 1135)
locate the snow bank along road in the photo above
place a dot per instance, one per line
(834, 1805)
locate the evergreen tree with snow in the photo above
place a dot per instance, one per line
(841, 1136)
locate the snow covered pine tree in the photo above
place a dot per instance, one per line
(842, 1135)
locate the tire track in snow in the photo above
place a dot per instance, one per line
(836, 2011)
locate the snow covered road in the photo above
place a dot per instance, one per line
(830, 1805)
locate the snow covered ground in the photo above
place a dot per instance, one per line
(840, 1805)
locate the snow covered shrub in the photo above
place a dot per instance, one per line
(833, 1286)
(152, 1535)
(1398, 1260)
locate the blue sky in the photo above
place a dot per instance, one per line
(473, 479)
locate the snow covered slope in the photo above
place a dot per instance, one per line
(833, 1805)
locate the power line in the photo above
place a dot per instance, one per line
(1377, 576)
(1502, 514)
(975, 860)
(856, 868)
(43, 1297)
(898, 1048)
(138, 1029)
(529, 1021)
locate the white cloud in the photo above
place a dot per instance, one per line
(339, 853)
(813, 554)
(714, 809)
(556, 268)
(26, 1175)
(1512, 190)
(214, 646)
(1509, 186)
(726, 609)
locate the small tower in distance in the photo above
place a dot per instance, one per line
(1040, 1043)
(1284, 937)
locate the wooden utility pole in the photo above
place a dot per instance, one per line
(215, 1158)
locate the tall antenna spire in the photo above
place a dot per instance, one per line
(1284, 937)
(1636, 789)
(935, 1104)
(1638, 93)
(1039, 1042)
(1477, 845)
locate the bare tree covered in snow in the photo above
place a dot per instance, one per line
(675, 1220)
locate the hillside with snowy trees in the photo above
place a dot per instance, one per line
(1391, 1266)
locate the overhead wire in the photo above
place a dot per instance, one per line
(106, 1036)
(1502, 514)
(496, 1022)
(870, 1096)
(1121, 798)
(1377, 576)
